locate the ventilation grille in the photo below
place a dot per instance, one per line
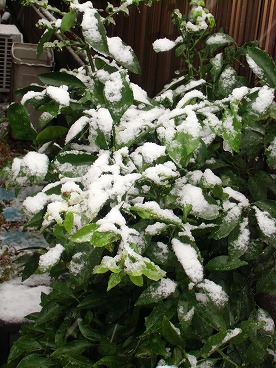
(5, 63)
(8, 35)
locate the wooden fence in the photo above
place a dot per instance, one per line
(244, 20)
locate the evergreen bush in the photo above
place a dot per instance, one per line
(159, 212)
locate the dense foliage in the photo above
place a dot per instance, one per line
(158, 211)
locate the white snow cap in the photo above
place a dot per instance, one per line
(188, 258)
(50, 258)
(33, 164)
(119, 50)
(163, 44)
(59, 94)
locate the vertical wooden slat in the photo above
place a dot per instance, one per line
(271, 26)
(264, 23)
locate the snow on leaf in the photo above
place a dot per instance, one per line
(188, 258)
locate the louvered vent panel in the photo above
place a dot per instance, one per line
(8, 35)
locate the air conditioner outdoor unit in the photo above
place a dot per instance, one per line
(9, 34)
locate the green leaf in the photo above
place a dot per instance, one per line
(72, 348)
(30, 266)
(153, 322)
(185, 312)
(96, 39)
(52, 107)
(231, 128)
(60, 78)
(94, 299)
(36, 220)
(152, 271)
(68, 221)
(131, 63)
(114, 279)
(24, 344)
(217, 64)
(153, 294)
(107, 347)
(267, 206)
(88, 332)
(47, 35)
(68, 21)
(259, 183)
(252, 143)
(218, 39)
(212, 343)
(51, 133)
(122, 99)
(211, 314)
(266, 283)
(228, 80)
(227, 224)
(137, 280)
(77, 158)
(170, 332)
(236, 240)
(36, 361)
(224, 263)
(104, 238)
(248, 329)
(84, 234)
(110, 362)
(49, 311)
(19, 120)
(181, 148)
(62, 291)
(265, 67)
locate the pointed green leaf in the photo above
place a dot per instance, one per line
(103, 238)
(30, 266)
(170, 332)
(267, 206)
(211, 314)
(24, 344)
(224, 263)
(227, 224)
(51, 133)
(36, 361)
(218, 39)
(181, 148)
(262, 65)
(114, 279)
(153, 322)
(231, 129)
(88, 332)
(61, 78)
(123, 54)
(19, 120)
(72, 348)
(68, 21)
(156, 292)
(49, 311)
(68, 221)
(94, 32)
(137, 280)
(118, 95)
(47, 35)
(84, 234)
(110, 362)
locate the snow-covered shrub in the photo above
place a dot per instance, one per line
(158, 211)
